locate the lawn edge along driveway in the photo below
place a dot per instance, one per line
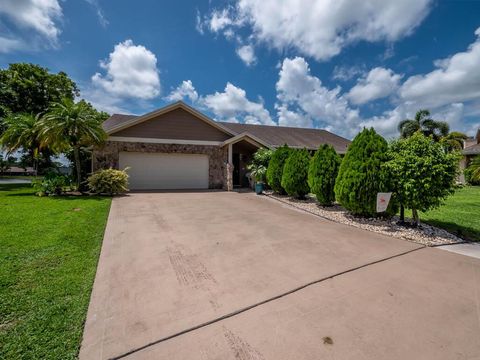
(49, 249)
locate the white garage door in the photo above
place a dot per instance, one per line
(165, 171)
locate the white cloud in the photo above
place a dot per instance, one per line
(40, 16)
(387, 123)
(287, 117)
(131, 72)
(297, 89)
(232, 104)
(345, 73)
(219, 20)
(183, 91)
(199, 23)
(98, 9)
(8, 45)
(247, 54)
(456, 79)
(321, 28)
(378, 83)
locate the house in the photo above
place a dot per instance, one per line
(17, 170)
(178, 147)
(470, 150)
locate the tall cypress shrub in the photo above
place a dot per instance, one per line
(275, 168)
(295, 174)
(322, 172)
(362, 173)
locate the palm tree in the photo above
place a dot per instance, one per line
(70, 125)
(22, 133)
(454, 140)
(426, 125)
(474, 170)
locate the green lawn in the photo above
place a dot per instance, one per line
(460, 215)
(49, 249)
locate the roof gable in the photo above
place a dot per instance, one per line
(116, 123)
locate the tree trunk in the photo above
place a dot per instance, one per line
(402, 214)
(415, 217)
(76, 155)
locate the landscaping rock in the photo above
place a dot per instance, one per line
(425, 234)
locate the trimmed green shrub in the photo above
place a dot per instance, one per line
(322, 172)
(108, 181)
(362, 174)
(295, 174)
(423, 172)
(52, 184)
(275, 168)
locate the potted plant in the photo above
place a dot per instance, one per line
(258, 173)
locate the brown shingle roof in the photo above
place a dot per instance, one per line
(472, 150)
(273, 135)
(294, 137)
(116, 119)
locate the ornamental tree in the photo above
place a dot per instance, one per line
(322, 173)
(362, 175)
(423, 172)
(295, 174)
(275, 168)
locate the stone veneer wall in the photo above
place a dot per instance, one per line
(108, 156)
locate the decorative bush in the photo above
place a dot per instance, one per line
(108, 181)
(295, 174)
(275, 168)
(322, 172)
(423, 172)
(362, 174)
(258, 165)
(52, 184)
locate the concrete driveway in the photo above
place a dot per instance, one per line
(217, 275)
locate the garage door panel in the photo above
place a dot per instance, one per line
(165, 171)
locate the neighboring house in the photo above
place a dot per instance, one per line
(177, 147)
(16, 170)
(470, 150)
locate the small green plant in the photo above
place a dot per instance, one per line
(258, 172)
(52, 184)
(108, 181)
(275, 168)
(322, 173)
(295, 174)
(259, 164)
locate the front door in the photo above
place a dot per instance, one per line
(236, 169)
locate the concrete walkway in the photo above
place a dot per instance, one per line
(171, 262)
(467, 249)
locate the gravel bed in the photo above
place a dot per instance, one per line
(425, 234)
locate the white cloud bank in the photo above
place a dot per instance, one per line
(232, 104)
(184, 90)
(131, 78)
(299, 92)
(456, 79)
(32, 19)
(131, 71)
(321, 28)
(379, 83)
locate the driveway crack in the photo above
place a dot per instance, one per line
(263, 302)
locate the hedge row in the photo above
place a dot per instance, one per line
(418, 171)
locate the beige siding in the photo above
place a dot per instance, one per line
(176, 124)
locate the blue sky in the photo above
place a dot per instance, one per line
(339, 66)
